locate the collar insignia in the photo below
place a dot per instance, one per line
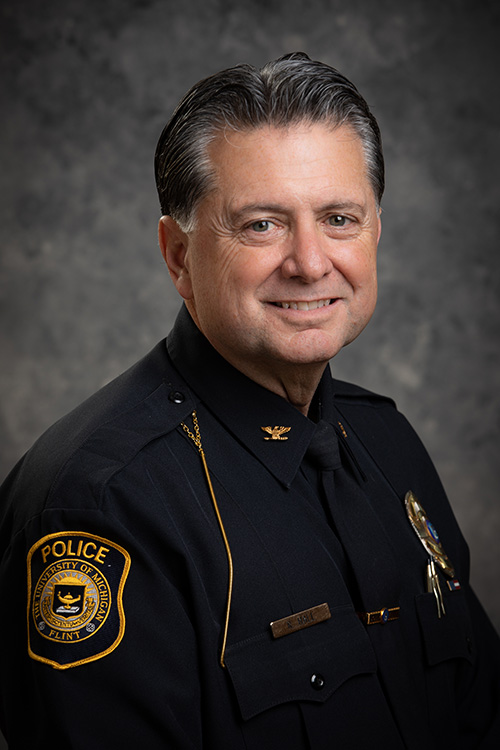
(275, 433)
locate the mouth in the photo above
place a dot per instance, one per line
(311, 305)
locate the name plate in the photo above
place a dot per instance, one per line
(300, 620)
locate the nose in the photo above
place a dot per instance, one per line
(307, 255)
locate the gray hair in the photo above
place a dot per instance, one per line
(284, 92)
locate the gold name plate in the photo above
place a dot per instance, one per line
(300, 620)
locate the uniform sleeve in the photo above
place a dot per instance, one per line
(98, 644)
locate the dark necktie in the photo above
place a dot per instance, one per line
(324, 454)
(371, 568)
(323, 449)
(353, 518)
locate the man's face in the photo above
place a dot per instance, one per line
(281, 266)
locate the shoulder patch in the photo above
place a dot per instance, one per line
(75, 590)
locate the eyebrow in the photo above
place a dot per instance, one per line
(251, 208)
(277, 208)
(344, 206)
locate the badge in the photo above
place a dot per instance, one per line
(427, 533)
(276, 433)
(75, 589)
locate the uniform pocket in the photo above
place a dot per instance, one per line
(308, 665)
(448, 636)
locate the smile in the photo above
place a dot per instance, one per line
(312, 305)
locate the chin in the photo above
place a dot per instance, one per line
(307, 357)
(314, 348)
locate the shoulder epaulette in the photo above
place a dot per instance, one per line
(351, 392)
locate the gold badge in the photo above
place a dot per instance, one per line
(75, 588)
(276, 433)
(427, 533)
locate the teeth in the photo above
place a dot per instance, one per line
(313, 305)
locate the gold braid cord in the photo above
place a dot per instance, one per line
(196, 438)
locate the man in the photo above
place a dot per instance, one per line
(225, 548)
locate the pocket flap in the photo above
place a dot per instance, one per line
(307, 665)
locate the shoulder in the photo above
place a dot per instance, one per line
(382, 428)
(373, 415)
(389, 439)
(102, 434)
(349, 393)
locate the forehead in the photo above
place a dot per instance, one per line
(300, 161)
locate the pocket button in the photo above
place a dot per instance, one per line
(317, 681)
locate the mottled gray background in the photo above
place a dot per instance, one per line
(85, 90)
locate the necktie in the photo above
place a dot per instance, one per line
(371, 567)
(323, 449)
(324, 454)
(354, 519)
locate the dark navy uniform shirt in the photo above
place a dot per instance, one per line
(114, 574)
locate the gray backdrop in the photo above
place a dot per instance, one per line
(85, 90)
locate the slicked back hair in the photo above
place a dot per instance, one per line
(291, 90)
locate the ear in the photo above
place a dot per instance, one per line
(173, 245)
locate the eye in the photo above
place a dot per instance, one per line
(262, 225)
(337, 220)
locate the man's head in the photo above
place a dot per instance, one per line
(272, 243)
(288, 91)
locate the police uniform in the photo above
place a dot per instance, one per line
(115, 574)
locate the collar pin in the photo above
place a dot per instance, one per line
(276, 433)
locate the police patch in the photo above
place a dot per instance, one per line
(75, 589)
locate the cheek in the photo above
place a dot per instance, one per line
(364, 266)
(358, 269)
(244, 272)
(222, 266)
(369, 293)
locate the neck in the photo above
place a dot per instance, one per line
(296, 383)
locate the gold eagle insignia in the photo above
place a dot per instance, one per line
(276, 433)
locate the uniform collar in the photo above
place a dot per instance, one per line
(242, 405)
